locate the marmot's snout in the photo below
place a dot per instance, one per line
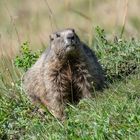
(70, 39)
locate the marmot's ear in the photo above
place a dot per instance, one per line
(51, 37)
(73, 30)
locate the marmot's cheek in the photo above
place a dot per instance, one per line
(59, 51)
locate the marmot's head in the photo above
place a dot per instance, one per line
(64, 42)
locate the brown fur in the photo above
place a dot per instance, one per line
(60, 75)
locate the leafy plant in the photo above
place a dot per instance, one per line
(27, 58)
(119, 57)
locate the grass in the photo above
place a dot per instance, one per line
(112, 114)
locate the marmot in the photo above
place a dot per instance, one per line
(66, 72)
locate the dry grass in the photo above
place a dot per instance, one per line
(35, 20)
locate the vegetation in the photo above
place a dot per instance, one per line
(119, 57)
(113, 114)
(27, 57)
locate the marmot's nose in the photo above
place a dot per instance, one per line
(70, 36)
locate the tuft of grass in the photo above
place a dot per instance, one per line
(124, 18)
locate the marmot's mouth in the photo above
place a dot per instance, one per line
(70, 47)
(71, 44)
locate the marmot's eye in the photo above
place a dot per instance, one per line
(57, 35)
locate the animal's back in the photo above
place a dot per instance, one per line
(95, 67)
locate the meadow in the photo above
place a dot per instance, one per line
(111, 29)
